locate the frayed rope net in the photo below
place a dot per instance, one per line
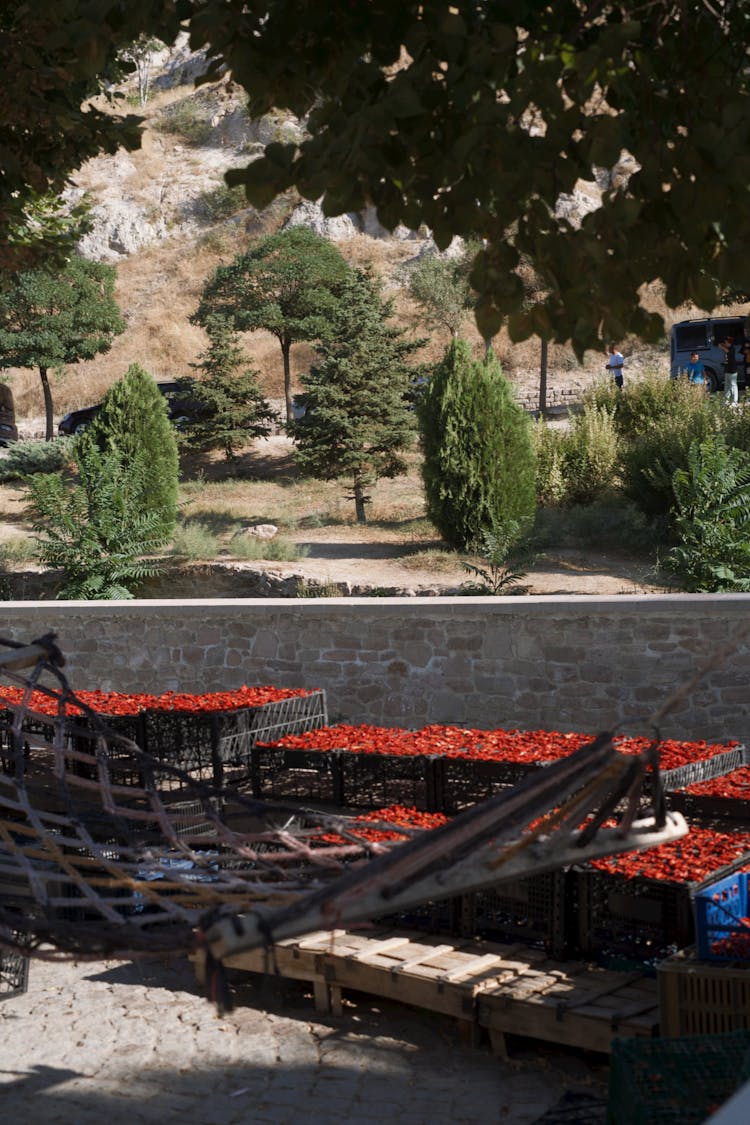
(106, 850)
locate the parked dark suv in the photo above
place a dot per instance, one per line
(180, 406)
(704, 336)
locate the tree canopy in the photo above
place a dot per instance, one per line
(476, 117)
(49, 318)
(286, 283)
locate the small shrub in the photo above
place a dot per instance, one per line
(193, 541)
(578, 465)
(501, 568)
(612, 524)
(221, 202)
(28, 457)
(19, 549)
(186, 119)
(712, 521)
(550, 461)
(249, 547)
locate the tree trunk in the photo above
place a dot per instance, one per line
(286, 347)
(48, 432)
(543, 379)
(359, 501)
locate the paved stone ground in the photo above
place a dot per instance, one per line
(121, 1043)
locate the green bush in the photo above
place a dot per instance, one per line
(549, 444)
(221, 202)
(194, 540)
(712, 521)
(578, 465)
(479, 462)
(249, 547)
(186, 119)
(28, 457)
(643, 404)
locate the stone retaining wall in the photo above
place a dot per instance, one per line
(569, 663)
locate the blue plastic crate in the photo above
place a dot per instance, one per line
(719, 912)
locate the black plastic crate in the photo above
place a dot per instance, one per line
(443, 916)
(213, 746)
(704, 809)
(637, 919)
(461, 782)
(300, 775)
(536, 909)
(14, 974)
(373, 781)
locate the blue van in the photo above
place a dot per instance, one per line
(704, 336)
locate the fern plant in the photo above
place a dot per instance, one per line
(498, 574)
(93, 529)
(712, 518)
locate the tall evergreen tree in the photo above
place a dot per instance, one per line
(134, 423)
(479, 462)
(49, 318)
(286, 284)
(235, 410)
(357, 424)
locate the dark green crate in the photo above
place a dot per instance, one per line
(675, 1081)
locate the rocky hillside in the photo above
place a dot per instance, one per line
(164, 217)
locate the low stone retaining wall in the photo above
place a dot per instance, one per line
(569, 663)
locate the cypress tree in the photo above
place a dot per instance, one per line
(479, 462)
(133, 422)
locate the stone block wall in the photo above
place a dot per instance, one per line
(569, 663)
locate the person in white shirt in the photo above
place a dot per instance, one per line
(615, 365)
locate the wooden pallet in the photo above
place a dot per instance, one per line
(502, 988)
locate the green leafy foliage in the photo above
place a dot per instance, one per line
(221, 202)
(25, 458)
(502, 569)
(474, 119)
(232, 410)
(660, 438)
(133, 423)
(479, 462)
(49, 318)
(95, 529)
(712, 518)
(358, 423)
(287, 284)
(578, 465)
(441, 287)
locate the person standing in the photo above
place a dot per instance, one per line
(695, 370)
(730, 369)
(615, 365)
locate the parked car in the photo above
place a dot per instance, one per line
(8, 428)
(180, 405)
(704, 336)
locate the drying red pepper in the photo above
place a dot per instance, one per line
(118, 703)
(512, 745)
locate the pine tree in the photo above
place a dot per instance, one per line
(134, 422)
(286, 284)
(235, 410)
(358, 424)
(479, 462)
(53, 317)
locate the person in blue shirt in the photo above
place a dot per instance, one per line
(695, 369)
